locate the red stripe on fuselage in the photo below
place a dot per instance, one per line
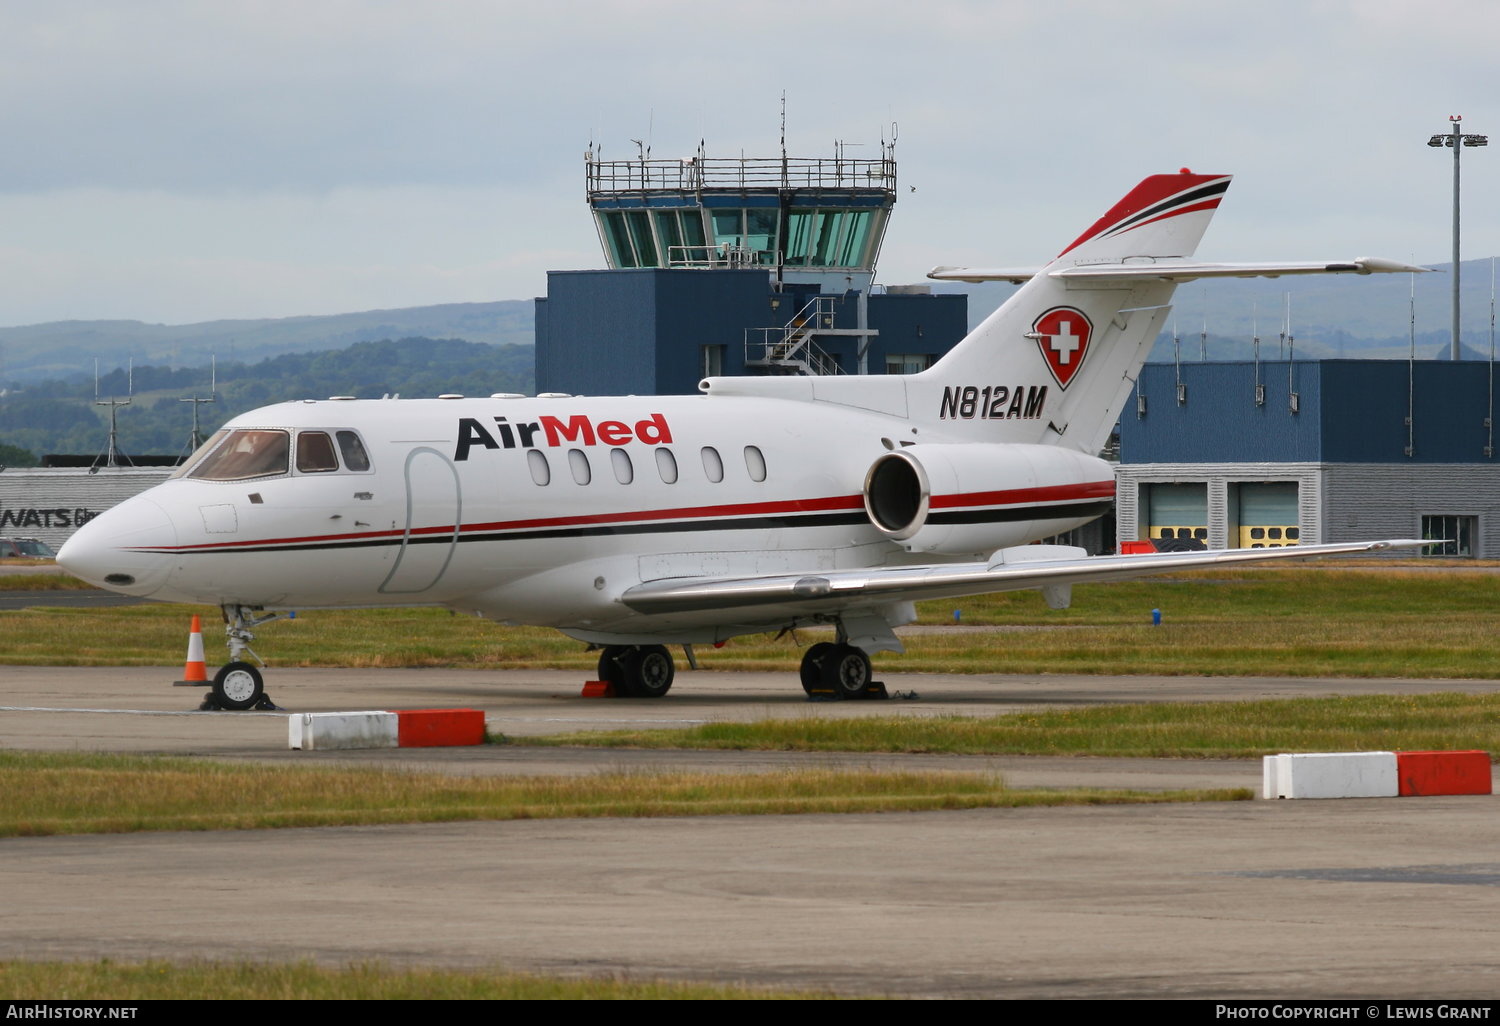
(1026, 496)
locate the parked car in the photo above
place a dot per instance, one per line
(9, 549)
(32, 548)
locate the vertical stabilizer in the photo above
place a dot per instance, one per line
(1055, 363)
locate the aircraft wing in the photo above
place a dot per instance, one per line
(1176, 270)
(1011, 569)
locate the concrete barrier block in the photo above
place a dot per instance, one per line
(436, 728)
(1428, 773)
(1330, 775)
(325, 731)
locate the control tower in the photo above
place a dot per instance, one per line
(807, 221)
(744, 265)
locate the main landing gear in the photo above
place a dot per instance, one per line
(637, 671)
(239, 686)
(838, 670)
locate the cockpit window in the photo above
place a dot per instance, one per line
(315, 452)
(202, 450)
(247, 453)
(355, 457)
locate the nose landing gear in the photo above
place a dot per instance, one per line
(239, 686)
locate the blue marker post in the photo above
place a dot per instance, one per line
(956, 614)
(1156, 617)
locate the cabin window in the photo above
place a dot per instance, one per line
(315, 453)
(755, 463)
(666, 466)
(541, 470)
(355, 456)
(247, 453)
(713, 465)
(619, 459)
(578, 463)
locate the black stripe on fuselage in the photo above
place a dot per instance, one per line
(1001, 515)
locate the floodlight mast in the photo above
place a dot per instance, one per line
(1456, 141)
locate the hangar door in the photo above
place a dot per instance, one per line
(1177, 514)
(1268, 514)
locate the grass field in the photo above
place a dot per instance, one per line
(1302, 621)
(259, 981)
(43, 794)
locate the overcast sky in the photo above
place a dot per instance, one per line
(183, 161)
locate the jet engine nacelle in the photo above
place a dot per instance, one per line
(961, 499)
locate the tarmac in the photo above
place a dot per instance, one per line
(1392, 898)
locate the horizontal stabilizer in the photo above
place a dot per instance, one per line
(1175, 270)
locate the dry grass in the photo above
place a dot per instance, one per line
(259, 981)
(69, 793)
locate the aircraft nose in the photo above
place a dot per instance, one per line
(123, 549)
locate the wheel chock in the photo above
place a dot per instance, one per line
(597, 689)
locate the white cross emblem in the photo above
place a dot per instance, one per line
(1064, 343)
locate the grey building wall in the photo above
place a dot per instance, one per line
(50, 504)
(1130, 522)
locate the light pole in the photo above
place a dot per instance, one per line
(1456, 141)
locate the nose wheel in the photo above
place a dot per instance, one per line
(238, 687)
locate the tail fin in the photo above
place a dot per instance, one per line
(1057, 361)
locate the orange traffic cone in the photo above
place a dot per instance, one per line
(195, 672)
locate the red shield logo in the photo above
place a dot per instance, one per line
(1062, 334)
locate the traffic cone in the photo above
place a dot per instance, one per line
(194, 671)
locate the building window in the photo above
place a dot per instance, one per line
(907, 363)
(1455, 535)
(713, 360)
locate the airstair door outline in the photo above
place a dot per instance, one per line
(434, 510)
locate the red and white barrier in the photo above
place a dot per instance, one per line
(407, 728)
(1375, 774)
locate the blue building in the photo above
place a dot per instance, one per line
(741, 266)
(1275, 453)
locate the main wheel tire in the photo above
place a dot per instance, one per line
(811, 670)
(238, 687)
(648, 672)
(847, 671)
(610, 670)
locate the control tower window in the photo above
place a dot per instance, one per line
(856, 230)
(640, 234)
(760, 234)
(618, 237)
(729, 226)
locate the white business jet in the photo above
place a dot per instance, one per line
(764, 504)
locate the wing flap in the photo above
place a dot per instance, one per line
(833, 591)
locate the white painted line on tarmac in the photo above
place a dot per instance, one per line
(140, 712)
